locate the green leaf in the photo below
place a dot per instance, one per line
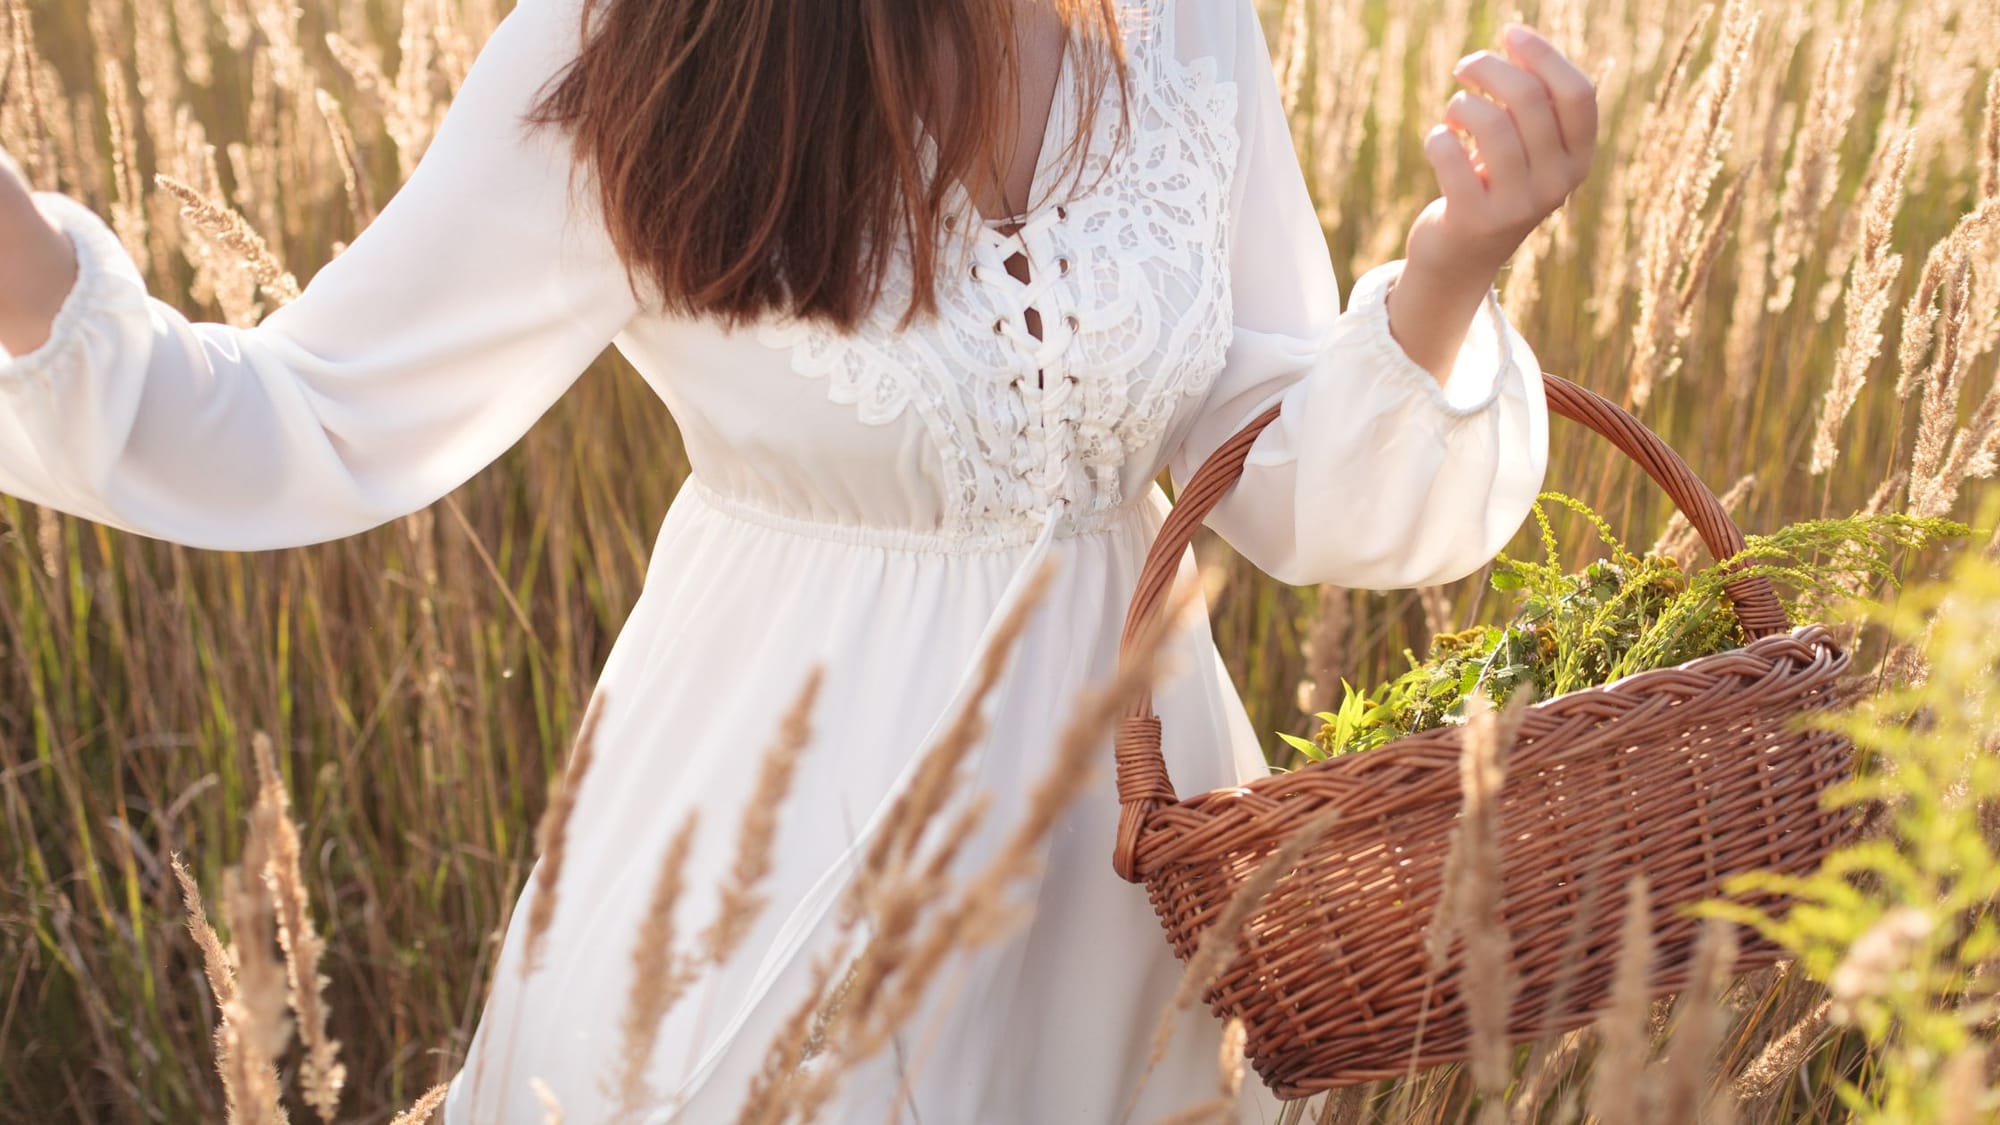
(1304, 746)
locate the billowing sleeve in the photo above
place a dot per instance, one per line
(1372, 476)
(411, 361)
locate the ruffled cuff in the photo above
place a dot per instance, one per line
(1485, 355)
(106, 283)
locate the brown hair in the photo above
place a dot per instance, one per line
(765, 155)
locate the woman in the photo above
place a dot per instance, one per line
(898, 397)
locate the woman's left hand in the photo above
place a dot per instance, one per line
(1536, 138)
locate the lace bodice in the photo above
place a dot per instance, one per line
(1131, 291)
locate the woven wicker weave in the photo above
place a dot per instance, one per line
(1687, 774)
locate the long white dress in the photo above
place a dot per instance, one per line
(868, 500)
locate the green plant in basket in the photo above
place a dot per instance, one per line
(1620, 614)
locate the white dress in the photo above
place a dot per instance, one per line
(866, 500)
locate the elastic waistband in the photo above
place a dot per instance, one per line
(1002, 537)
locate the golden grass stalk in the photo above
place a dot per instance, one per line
(1549, 1066)
(1875, 271)
(215, 962)
(255, 1028)
(552, 1108)
(221, 973)
(884, 891)
(1814, 170)
(420, 1111)
(1643, 174)
(1782, 1056)
(1615, 1095)
(1898, 106)
(1989, 141)
(552, 836)
(1344, 69)
(1941, 378)
(411, 116)
(1229, 1058)
(740, 900)
(920, 801)
(824, 1012)
(774, 1088)
(128, 207)
(1470, 904)
(658, 976)
(25, 121)
(1290, 63)
(551, 840)
(901, 959)
(192, 22)
(359, 200)
(230, 230)
(455, 48)
(1682, 1080)
(1677, 245)
(362, 69)
(1743, 343)
(1921, 313)
(1388, 102)
(320, 1074)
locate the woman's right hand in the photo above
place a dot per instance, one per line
(37, 265)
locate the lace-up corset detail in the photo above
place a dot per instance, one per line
(1129, 285)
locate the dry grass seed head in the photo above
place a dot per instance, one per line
(1489, 986)
(937, 776)
(1615, 1093)
(552, 836)
(1814, 170)
(1683, 1079)
(1677, 245)
(741, 902)
(1875, 271)
(256, 1027)
(321, 1074)
(1921, 312)
(895, 972)
(1782, 1056)
(1989, 141)
(421, 1110)
(220, 969)
(658, 979)
(552, 1108)
(215, 961)
(230, 230)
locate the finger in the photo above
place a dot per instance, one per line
(1455, 174)
(1525, 99)
(1499, 142)
(1571, 94)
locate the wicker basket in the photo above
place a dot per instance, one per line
(1688, 774)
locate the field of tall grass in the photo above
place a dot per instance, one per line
(1787, 263)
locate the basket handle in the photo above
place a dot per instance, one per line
(1143, 784)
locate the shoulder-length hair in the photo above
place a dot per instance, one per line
(753, 156)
